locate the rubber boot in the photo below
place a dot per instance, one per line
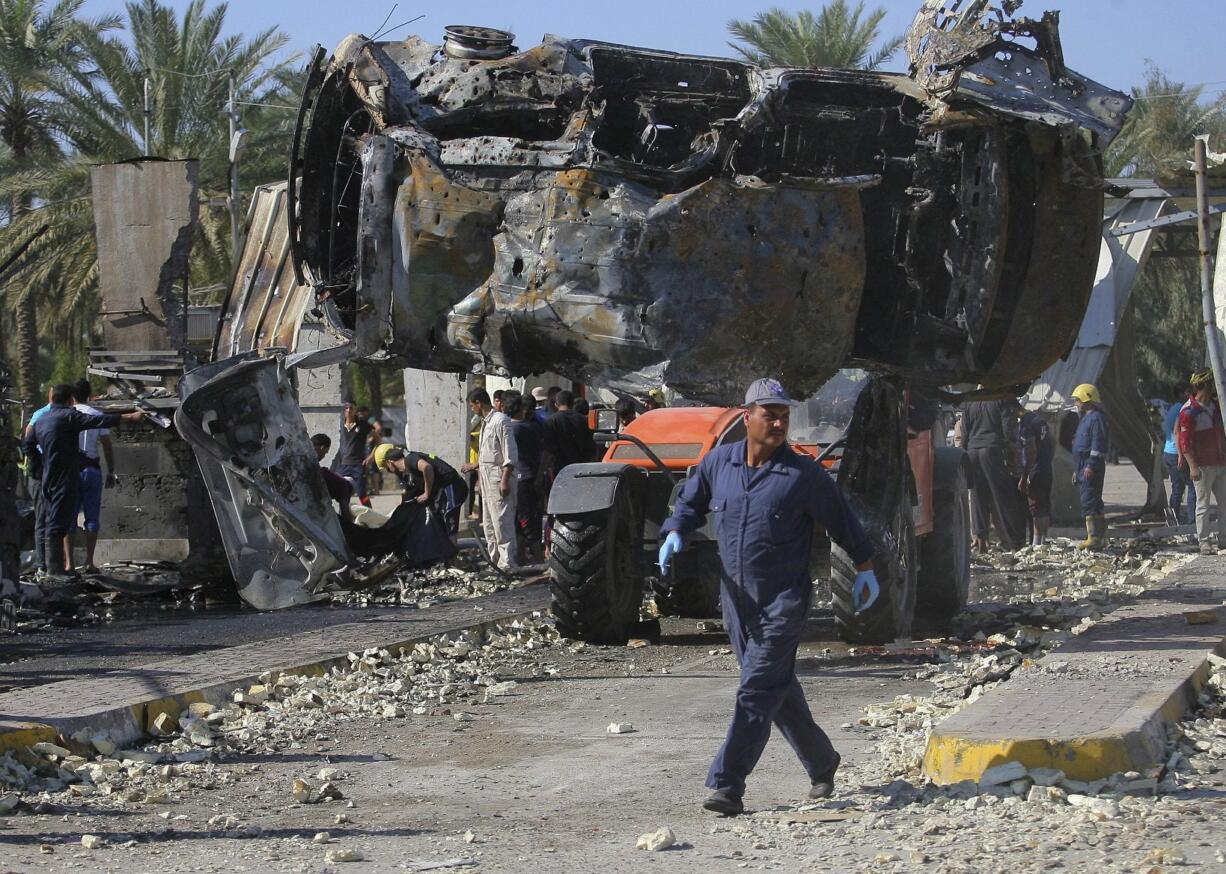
(1096, 529)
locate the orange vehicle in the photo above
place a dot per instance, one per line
(907, 488)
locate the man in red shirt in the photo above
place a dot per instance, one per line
(1202, 444)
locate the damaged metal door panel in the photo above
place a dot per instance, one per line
(615, 213)
(979, 51)
(281, 536)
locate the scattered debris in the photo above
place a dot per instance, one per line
(619, 728)
(344, 854)
(661, 839)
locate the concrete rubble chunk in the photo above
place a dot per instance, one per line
(47, 749)
(1001, 774)
(9, 802)
(330, 792)
(661, 839)
(103, 745)
(301, 790)
(91, 842)
(619, 728)
(321, 838)
(1045, 776)
(1046, 795)
(165, 724)
(1165, 856)
(343, 854)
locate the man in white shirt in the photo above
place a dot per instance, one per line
(497, 456)
(90, 496)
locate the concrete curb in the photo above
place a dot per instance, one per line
(1075, 711)
(130, 720)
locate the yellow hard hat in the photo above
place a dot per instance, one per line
(382, 451)
(1202, 379)
(1086, 393)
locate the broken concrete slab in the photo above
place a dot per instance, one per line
(1110, 710)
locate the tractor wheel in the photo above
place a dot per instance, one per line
(945, 554)
(894, 561)
(692, 589)
(595, 569)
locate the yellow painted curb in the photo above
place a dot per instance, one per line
(18, 736)
(15, 737)
(954, 757)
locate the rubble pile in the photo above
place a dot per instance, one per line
(1066, 593)
(425, 588)
(117, 591)
(437, 678)
(1038, 819)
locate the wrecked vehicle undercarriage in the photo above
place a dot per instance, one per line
(628, 217)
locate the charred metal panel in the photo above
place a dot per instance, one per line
(282, 537)
(144, 219)
(977, 50)
(266, 304)
(628, 216)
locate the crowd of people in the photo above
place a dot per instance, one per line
(519, 443)
(1010, 454)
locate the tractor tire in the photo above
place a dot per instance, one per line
(595, 570)
(895, 561)
(692, 589)
(945, 554)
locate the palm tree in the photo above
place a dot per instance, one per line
(1156, 141)
(187, 63)
(39, 50)
(838, 36)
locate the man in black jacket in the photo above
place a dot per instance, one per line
(989, 436)
(53, 440)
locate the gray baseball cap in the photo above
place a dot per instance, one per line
(768, 391)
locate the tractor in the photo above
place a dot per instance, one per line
(907, 488)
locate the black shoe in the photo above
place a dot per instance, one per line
(725, 803)
(823, 786)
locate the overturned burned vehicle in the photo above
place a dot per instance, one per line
(628, 217)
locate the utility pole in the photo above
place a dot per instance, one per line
(1208, 307)
(148, 114)
(235, 149)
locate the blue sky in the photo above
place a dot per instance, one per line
(1108, 40)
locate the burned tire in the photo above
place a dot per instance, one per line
(595, 569)
(945, 554)
(895, 563)
(692, 589)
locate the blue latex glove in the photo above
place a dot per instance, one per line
(670, 546)
(864, 591)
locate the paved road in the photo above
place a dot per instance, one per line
(534, 777)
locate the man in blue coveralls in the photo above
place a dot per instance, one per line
(766, 498)
(52, 438)
(1090, 463)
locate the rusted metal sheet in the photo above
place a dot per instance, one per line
(628, 216)
(266, 303)
(144, 219)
